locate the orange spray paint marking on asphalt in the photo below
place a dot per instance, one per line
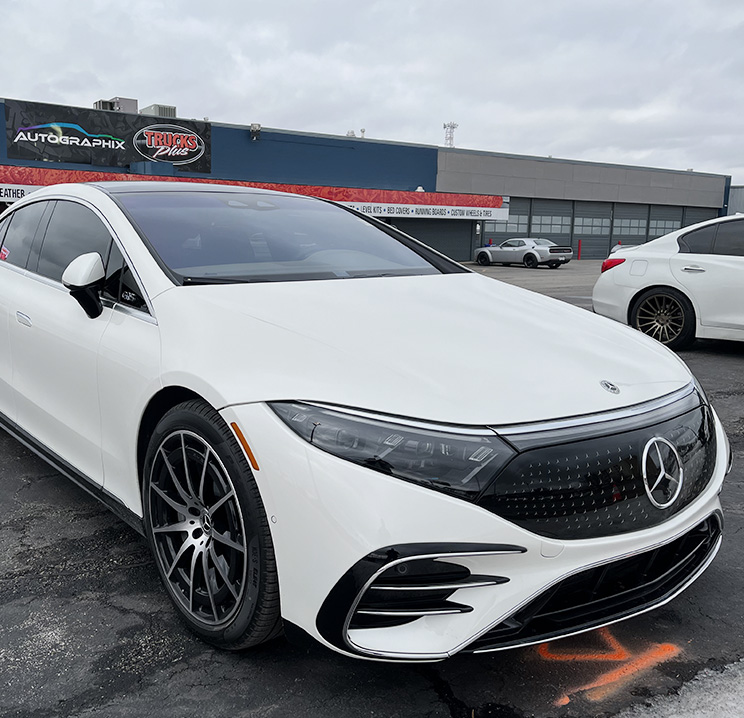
(616, 653)
(612, 681)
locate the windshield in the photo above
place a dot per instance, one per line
(544, 243)
(214, 237)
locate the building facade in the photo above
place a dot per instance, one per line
(454, 200)
(736, 201)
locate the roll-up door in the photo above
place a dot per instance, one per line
(693, 215)
(516, 226)
(452, 237)
(591, 228)
(629, 224)
(551, 219)
(663, 219)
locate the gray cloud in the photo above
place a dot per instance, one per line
(653, 82)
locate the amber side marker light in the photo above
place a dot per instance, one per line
(245, 446)
(610, 263)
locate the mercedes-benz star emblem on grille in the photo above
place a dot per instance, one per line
(609, 386)
(662, 472)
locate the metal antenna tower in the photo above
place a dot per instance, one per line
(449, 133)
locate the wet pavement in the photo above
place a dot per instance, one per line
(86, 630)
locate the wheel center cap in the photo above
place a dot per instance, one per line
(206, 522)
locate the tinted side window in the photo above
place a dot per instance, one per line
(20, 234)
(73, 230)
(730, 239)
(120, 285)
(699, 241)
(3, 226)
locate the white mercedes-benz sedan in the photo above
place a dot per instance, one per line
(275, 391)
(686, 284)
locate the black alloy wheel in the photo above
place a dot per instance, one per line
(530, 261)
(208, 531)
(483, 259)
(665, 315)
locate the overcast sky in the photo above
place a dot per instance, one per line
(648, 82)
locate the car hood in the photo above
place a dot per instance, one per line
(457, 348)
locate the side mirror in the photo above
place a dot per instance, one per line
(84, 278)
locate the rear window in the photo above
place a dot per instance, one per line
(699, 241)
(206, 237)
(730, 238)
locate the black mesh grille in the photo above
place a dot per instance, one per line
(605, 593)
(594, 487)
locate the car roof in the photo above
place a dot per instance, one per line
(140, 186)
(714, 220)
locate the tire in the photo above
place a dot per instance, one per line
(554, 265)
(207, 529)
(666, 315)
(530, 261)
(483, 259)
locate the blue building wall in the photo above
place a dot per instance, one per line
(296, 158)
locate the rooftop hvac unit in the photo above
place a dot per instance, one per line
(159, 111)
(118, 104)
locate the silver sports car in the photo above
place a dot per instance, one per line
(528, 251)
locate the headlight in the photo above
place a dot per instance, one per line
(701, 391)
(462, 464)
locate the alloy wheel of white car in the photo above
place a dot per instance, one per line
(665, 315)
(208, 530)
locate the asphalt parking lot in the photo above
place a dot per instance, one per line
(85, 629)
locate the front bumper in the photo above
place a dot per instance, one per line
(338, 527)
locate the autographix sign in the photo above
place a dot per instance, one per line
(54, 133)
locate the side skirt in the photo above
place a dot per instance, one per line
(91, 487)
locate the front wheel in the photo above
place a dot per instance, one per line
(530, 261)
(666, 315)
(483, 259)
(207, 529)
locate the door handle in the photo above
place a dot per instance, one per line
(24, 319)
(693, 269)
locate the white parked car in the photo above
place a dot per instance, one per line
(273, 390)
(528, 251)
(686, 284)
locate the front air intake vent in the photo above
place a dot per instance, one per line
(398, 585)
(414, 589)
